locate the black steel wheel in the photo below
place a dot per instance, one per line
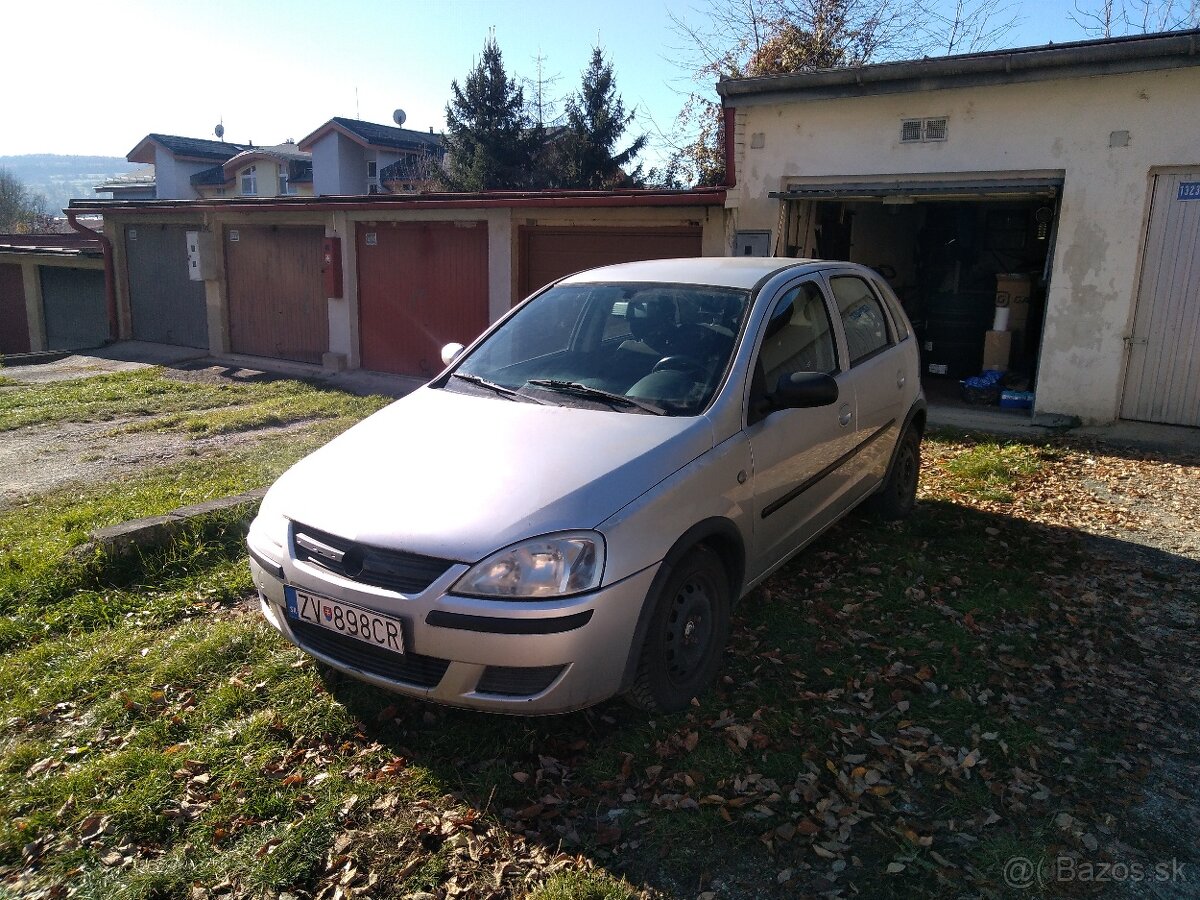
(688, 632)
(898, 494)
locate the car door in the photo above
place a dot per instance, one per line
(798, 486)
(878, 373)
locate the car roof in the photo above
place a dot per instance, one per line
(719, 271)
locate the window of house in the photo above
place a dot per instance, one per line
(862, 316)
(284, 187)
(250, 181)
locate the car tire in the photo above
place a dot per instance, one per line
(898, 494)
(689, 628)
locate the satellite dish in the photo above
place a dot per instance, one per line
(219, 131)
(399, 117)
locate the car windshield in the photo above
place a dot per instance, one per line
(634, 347)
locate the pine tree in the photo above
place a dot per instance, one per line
(490, 141)
(596, 120)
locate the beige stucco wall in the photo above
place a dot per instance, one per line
(1059, 127)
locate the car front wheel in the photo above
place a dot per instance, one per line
(688, 632)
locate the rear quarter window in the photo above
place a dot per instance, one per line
(862, 316)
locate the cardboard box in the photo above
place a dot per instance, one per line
(997, 347)
(1012, 289)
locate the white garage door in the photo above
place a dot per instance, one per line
(1163, 380)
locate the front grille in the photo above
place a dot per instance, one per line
(411, 668)
(395, 570)
(517, 681)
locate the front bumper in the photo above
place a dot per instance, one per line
(525, 658)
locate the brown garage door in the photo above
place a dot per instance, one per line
(14, 323)
(421, 285)
(277, 307)
(548, 254)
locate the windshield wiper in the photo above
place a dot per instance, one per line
(586, 390)
(498, 388)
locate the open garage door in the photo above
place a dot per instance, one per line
(547, 254)
(421, 285)
(952, 250)
(277, 307)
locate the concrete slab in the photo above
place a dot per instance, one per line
(157, 531)
(1172, 439)
(124, 356)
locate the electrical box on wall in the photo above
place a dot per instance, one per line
(753, 243)
(331, 266)
(201, 256)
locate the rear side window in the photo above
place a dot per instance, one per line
(897, 311)
(862, 316)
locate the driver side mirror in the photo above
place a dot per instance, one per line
(450, 353)
(804, 390)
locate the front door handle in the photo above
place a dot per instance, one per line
(844, 415)
(900, 380)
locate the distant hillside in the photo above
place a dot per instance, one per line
(61, 178)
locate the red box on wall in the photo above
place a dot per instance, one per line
(331, 266)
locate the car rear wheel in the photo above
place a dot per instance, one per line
(688, 632)
(898, 495)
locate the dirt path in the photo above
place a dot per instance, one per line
(45, 457)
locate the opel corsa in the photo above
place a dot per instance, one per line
(572, 508)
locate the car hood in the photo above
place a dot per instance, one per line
(458, 476)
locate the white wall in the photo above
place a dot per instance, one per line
(339, 166)
(172, 177)
(1052, 127)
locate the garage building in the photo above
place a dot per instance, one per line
(1062, 182)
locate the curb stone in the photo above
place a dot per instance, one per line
(157, 531)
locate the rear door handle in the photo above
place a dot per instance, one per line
(900, 380)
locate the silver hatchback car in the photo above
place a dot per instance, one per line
(572, 508)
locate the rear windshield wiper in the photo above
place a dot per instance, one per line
(586, 390)
(498, 388)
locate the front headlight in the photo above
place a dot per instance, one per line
(556, 565)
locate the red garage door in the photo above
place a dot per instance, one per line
(14, 325)
(421, 285)
(277, 306)
(548, 254)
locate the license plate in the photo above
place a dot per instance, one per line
(345, 618)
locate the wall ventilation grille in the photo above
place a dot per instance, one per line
(913, 131)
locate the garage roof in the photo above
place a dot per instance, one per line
(1110, 56)
(902, 190)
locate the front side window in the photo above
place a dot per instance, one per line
(862, 316)
(633, 347)
(799, 335)
(250, 181)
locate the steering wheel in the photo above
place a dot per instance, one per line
(682, 364)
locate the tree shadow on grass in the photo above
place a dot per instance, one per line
(838, 744)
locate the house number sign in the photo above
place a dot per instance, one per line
(1189, 190)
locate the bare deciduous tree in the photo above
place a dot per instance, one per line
(749, 38)
(1111, 18)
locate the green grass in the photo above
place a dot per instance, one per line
(164, 403)
(582, 885)
(990, 471)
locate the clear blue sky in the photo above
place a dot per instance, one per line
(95, 77)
